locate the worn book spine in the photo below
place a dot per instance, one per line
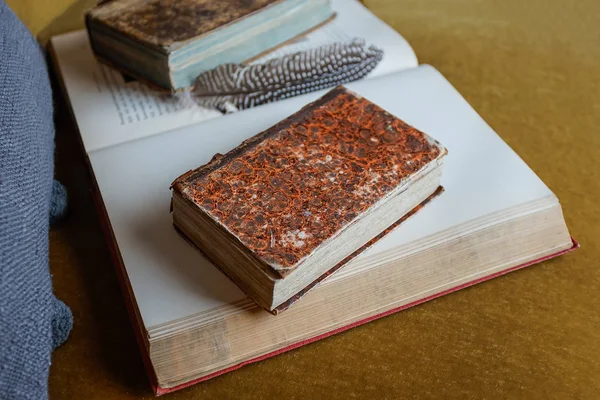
(284, 306)
(286, 191)
(287, 304)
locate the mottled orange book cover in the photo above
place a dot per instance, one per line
(286, 191)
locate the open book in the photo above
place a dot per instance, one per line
(494, 216)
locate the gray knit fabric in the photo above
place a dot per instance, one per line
(58, 202)
(32, 320)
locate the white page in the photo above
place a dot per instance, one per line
(172, 280)
(110, 111)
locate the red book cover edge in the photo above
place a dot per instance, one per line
(160, 391)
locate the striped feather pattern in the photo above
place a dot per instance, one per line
(231, 87)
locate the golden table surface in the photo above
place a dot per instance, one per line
(532, 70)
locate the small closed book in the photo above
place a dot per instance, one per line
(169, 43)
(293, 202)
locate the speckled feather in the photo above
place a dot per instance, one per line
(235, 86)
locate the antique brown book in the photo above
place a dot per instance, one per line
(169, 43)
(293, 202)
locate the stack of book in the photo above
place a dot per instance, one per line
(339, 192)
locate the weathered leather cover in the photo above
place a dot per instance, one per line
(285, 305)
(288, 303)
(164, 22)
(287, 190)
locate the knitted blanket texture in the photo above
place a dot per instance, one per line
(32, 320)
